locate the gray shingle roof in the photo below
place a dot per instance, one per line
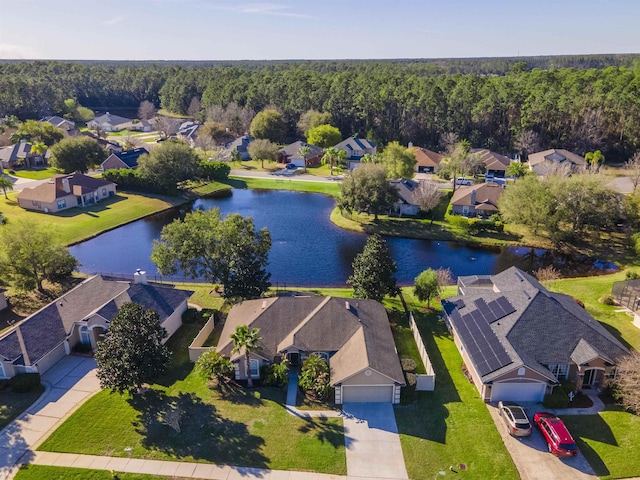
(10, 347)
(292, 150)
(545, 328)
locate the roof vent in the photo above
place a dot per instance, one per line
(519, 277)
(346, 305)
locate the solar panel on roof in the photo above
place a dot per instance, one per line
(506, 306)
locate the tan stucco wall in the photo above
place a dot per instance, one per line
(51, 358)
(529, 374)
(113, 162)
(374, 379)
(50, 207)
(173, 322)
(240, 362)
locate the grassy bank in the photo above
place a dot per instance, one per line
(36, 174)
(78, 224)
(326, 188)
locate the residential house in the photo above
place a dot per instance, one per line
(110, 146)
(426, 160)
(352, 335)
(291, 154)
(63, 124)
(408, 202)
(556, 161)
(495, 164)
(477, 200)
(239, 145)
(188, 132)
(518, 340)
(66, 191)
(81, 317)
(108, 122)
(124, 159)
(356, 148)
(21, 153)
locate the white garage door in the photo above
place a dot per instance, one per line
(518, 392)
(367, 394)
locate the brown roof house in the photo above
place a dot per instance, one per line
(291, 154)
(66, 191)
(495, 164)
(556, 161)
(352, 335)
(426, 160)
(81, 317)
(477, 200)
(518, 340)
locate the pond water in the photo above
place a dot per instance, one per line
(307, 249)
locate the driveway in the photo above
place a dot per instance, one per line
(68, 384)
(532, 459)
(372, 442)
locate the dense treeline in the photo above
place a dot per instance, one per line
(418, 101)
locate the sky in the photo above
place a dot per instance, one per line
(320, 29)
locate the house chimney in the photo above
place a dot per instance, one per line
(140, 277)
(473, 197)
(410, 145)
(65, 185)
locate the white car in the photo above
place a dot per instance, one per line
(463, 181)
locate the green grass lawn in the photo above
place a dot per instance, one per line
(36, 174)
(234, 427)
(451, 425)
(326, 188)
(78, 224)
(13, 404)
(41, 472)
(205, 189)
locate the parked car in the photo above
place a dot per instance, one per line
(291, 166)
(559, 440)
(463, 181)
(515, 418)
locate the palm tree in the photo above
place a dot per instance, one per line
(304, 150)
(516, 170)
(5, 184)
(330, 155)
(247, 339)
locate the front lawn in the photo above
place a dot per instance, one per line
(36, 174)
(234, 427)
(609, 441)
(40, 472)
(451, 426)
(76, 224)
(13, 404)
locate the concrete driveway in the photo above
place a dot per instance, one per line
(371, 438)
(532, 459)
(68, 384)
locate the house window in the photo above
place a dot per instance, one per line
(35, 203)
(613, 373)
(255, 368)
(465, 210)
(62, 204)
(85, 338)
(560, 370)
(237, 373)
(104, 192)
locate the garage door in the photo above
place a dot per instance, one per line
(367, 394)
(518, 392)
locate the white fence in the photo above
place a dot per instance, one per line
(423, 381)
(196, 349)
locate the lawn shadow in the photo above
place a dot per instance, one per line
(237, 394)
(90, 210)
(235, 183)
(203, 434)
(178, 344)
(324, 431)
(427, 417)
(599, 467)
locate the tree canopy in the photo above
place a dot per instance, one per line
(169, 164)
(367, 190)
(324, 136)
(311, 119)
(34, 131)
(398, 161)
(427, 286)
(627, 382)
(77, 154)
(262, 149)
(227, 251)
(268, 124)
(31, 254)
(132, 352)
(373, 271)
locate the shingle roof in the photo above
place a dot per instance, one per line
(292, 150)
(130, 157)
(492, 160)
(485, 193)
(325, 324)
(556, 155)
(426, 158)
(10, 347)
(407, 190)
(49, 326)
(545, 328)
(111, 119)
(54, 188)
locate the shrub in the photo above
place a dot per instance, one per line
(213, 365)
(274, 375)
(411, 379)
(25, 382)
(132, 180)
(4, 384)
(82, 348)
(608, 300)
(214, 170)
(631, 275)
(557, 399)
(409, 365)
(314, 376)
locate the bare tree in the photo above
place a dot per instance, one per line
(445, 277)
(147, 110)
(546, 274)
(633, 166)
(427, 195)
(527, 142)
(163, 126)
(627, 382)
(195, 107)
(234, 117)
(448, 142)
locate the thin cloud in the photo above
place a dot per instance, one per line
(20, 52)
(271, 9)
(113, 21)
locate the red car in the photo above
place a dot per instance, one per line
(559, 440)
